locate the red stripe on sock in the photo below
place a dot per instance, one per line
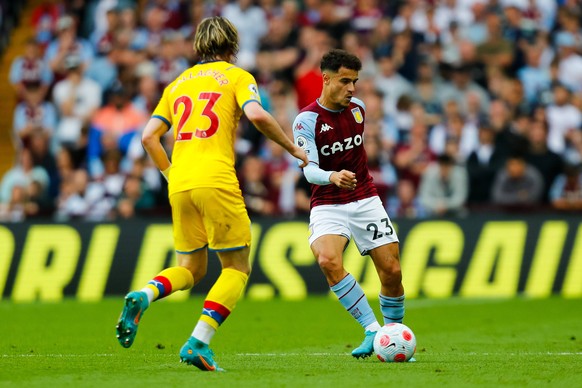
(167, 285)
(223, 311)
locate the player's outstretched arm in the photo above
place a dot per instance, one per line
(152, 133)
(270, 128)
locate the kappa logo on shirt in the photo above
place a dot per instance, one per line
(325, 127)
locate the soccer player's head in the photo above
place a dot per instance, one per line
(340, 72)
(216, 38)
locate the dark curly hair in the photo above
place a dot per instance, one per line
(337, 58)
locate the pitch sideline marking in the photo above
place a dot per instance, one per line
(301, 354)
(423, 354)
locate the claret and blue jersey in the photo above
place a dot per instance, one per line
(334, 140)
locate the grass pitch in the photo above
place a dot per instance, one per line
(515, 343)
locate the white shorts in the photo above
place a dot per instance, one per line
(365, 220)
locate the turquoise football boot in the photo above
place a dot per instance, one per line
(197, 353)
(136, 303)
(366, 348)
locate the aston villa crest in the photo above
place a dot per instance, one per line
(358, 115)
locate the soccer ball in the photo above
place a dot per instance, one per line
(394, 342)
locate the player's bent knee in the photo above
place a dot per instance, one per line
(391, 278)
(329, 263)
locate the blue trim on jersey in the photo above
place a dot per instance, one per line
(327, 109)
(355, 100)
(359, 102)
(248, 101)
(228, 249)
(195, 250)
(165, 120)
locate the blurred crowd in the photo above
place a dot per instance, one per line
(471, 105)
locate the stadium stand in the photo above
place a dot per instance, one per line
(481, 82)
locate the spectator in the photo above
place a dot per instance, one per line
(518, 184)
(14, 209)
(570, 67)
(255, 187)
(67, 45)
(381, 38)
(29, 73)
(39, 145)
(566, 192)
(155, 27)
(353, 43)
(534, 77)
(332, 20)
(402, 119)
(105, 69)
(476, 31)
(113, 127)
(37, 204)
(460, 85)
(562, 117)
(426, 91)
(482, 167)
(302, 196)
(136, 199)
(547, 162)
(44, 21)
(391, 83)
(308, 78)
(103, 38)
(405, 204)
(496, 51)
(169, 63)
(406, 54)
(33, 114)
(129, 34)
(444, 187)
(65, 164)
(147, 95)
(22, 175)
(412, 158)
(507, 140)
(381, 171)
(77, 98)
(252, 25)
(277, 166)
(81, 199)
(279, 51)
(573, 153)
(366, 16)
(375, 118)
(455, 130)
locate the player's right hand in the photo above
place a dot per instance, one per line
(299, 153)
(344, 179)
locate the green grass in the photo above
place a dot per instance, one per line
(488, 343)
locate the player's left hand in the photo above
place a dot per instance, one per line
(344, 179)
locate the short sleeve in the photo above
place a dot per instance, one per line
(247, 90)
(162, 110)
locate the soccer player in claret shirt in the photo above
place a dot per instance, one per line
(344, 201)
(203, 106)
